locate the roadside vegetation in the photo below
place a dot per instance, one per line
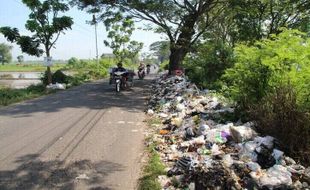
(154, 167)
(269, 81)
(9, 96)
(28, 67)
(74, 73)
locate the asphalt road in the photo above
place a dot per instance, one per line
(87, 137)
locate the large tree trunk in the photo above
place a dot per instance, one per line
(180, 48)
(176, 58)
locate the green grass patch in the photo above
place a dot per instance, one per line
(154, 167)
(153, 121)
(9, 96)
(152, 170)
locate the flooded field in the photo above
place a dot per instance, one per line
(19, 79)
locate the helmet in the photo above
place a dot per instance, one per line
(119, 64)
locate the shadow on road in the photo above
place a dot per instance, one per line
(96, 95)
(35, 174)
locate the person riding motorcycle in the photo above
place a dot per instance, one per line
(120, 68)
(148, 69)
(141, 71)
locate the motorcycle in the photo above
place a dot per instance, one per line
(141, 73)
(119, 79)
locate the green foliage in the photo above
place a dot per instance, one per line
(164, 66)
(9, 96)
(161, 49)
(256, 19)
(208, 63)
(20, 59)
(44, 22)
(152, 170)
(57, 77)
(119, 32)
(270, 63)
(178, 20)
(5, 53)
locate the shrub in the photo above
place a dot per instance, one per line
(58, 77)
(260, 68)
(279, 115)
(164, 66)
(271, 83)
(208, 63)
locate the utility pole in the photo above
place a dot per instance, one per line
(95, 22)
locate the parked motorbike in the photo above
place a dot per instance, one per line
(141, 73)
(119, 79)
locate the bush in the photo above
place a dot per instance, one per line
(207, 65)
(270, 63)
(9, 96)
(57, 77)
(164, 66)
(270, 82)
(60, 77)
(279, 115)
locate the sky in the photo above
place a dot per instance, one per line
(78, 42)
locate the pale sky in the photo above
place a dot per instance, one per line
(78, 42)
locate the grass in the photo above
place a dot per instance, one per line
(153, 121)
(10, 96)
(154, 167)
(28, 67)
(152, 170)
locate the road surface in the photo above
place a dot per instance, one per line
(88, 137)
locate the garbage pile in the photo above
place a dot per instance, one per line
(202, 149)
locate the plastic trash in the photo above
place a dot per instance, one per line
(216, 136)
(275, 176)
(265, 141)
(56, 86)
(163, 115)
(177, 121)
(242, 133)
(203, 129)
(253, 166)
(198, 141)
(215, 150)
(227, 160)
(277, 154)
(150, 112)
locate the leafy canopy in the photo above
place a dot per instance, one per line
(46, 24)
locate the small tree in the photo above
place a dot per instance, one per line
(20, 59)
(46, 24)
(5, 53)
(119, 32)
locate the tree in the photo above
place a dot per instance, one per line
(183, 22)
(46, 24)
(119, 32)
(20, 59)
(161, 50)
(5, 53)
(257, 19)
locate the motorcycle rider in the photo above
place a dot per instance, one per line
(120, 68)
(141, 70)
(148, 68)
